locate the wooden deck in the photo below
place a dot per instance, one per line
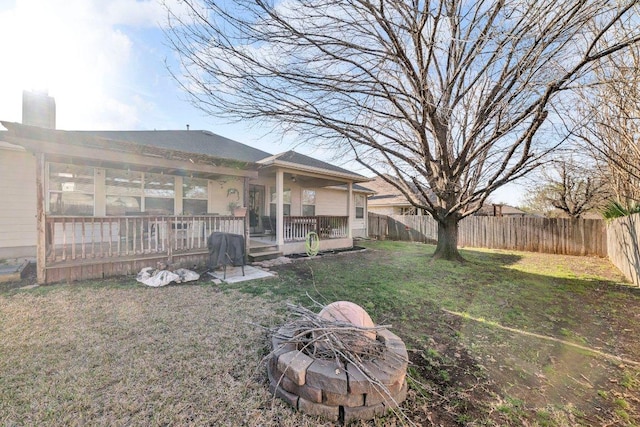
(79, 248)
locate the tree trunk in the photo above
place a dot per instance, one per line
(447, 247)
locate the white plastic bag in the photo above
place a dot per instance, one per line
(156, 278)
(186, 275)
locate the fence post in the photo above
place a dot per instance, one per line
(41, 245)
(170, 239)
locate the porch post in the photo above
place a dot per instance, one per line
(41, 239)
(245, 203)
(280, 208)
(178, 204)
(350, 210)
(100, 198)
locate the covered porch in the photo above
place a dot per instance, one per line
(295, 195)
(81, 247)
(113, 202)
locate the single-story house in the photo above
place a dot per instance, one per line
(91, 204)
(388, 200)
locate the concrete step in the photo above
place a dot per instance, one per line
(264, 255)
(12, 272)
(254, 249)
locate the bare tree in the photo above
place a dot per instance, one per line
(569, 187)
(612, 130)
(446, 95)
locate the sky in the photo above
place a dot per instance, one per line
(105, 63)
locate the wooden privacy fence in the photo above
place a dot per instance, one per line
(377, 226)
(623, 246)
(566, 236)
(547, 235)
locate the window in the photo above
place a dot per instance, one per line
(359, 202)
(159, 192)
(308, 202)
(71, 189)
(194, 196)
(274, 199)
(411, 210)
(124, 191)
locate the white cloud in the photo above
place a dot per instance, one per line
(78, 50)
(147, 13)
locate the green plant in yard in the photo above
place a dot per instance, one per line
(413, 382)
(630, 380)
(444, 375)
(463, 419)
(512, 408)
(621, 403)
(622, 414)
(615, 209)
(544, 418)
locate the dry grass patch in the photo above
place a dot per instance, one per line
(534, 342)
(115, 356)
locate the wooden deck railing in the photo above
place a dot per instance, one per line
(108, 238)
(296, 228)
(84, 238)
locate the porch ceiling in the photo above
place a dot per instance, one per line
(305, 179)
(310, 181)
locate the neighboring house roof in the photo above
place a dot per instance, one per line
(510, 210)
(497, 209)
(386, 194)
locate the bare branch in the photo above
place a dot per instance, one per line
(447, 95)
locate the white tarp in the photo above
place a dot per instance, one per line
(156, 278)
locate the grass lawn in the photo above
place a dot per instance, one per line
(508, 338)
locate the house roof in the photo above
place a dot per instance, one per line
(302, 162)
(189, 141)
(195, 145)
(510, 210)
(192, 141)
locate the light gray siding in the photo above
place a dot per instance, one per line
(18, 208)
(334, 202)
(331, 202)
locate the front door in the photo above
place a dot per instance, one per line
(256, 207)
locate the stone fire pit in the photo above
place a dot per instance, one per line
(335, 388)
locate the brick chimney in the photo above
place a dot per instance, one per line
(38, 109)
